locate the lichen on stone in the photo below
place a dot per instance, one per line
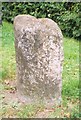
(39, 57)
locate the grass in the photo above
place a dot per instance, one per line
(71, 68)
(30, 110)
(8, 51)
(70, 91)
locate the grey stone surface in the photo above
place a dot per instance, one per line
(39, 58)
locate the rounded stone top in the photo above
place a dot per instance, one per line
(27, 21)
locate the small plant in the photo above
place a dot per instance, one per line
(75, 113)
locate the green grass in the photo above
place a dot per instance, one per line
(71, 68)
(30, 110)
(70, 89)
(8, 51)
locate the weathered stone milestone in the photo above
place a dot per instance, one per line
(39, 58)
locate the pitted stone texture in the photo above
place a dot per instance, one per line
(39, 57)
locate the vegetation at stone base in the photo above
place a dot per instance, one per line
(70, 90)
(30, 110)
(66, 14)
